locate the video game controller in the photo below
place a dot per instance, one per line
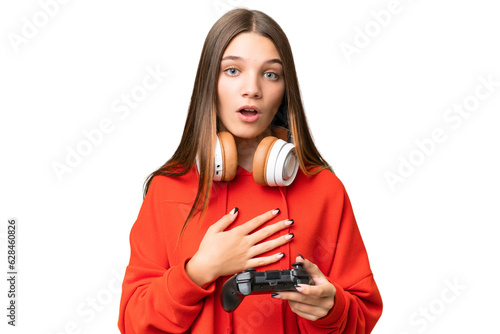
(251, 281)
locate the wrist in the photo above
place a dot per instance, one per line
(199, 272)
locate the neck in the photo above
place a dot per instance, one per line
(246, 149)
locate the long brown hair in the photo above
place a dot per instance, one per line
(198, 138)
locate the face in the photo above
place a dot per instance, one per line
(251, 85)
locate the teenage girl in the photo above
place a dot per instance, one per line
(246, 188)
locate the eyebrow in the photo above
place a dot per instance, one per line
(237, 58)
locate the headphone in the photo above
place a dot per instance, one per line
(275, 161)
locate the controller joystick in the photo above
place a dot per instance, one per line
(251, 281)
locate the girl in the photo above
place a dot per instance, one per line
(202, 221)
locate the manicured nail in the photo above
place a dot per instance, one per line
(276, 211)
(289, 222)
(233, 211)
(280, 255)
(299, 288)
(300, 256)
(275, 295)
(289, 236)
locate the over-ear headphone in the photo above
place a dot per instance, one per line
(275, 161)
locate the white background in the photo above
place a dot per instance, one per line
(366, 112)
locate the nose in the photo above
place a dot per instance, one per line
(251, 86)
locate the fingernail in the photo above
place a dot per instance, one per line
(275, 295)
(300, 256)
(289, 236)
(276, 211)
(299, 288)
(289, 222)
(280, 255)
(233, 211)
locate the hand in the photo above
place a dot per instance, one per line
(311, 302)
(227, 252)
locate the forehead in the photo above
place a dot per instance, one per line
(253, 46)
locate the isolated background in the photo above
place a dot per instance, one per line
(436, 228)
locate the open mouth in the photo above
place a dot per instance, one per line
(248, 112)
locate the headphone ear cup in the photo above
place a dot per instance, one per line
(284, 163)
(226, 157)
(260, 159)
(275, 163)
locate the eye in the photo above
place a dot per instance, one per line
(232, 71)
(271, 75)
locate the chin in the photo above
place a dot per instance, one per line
(251, 134)
(246, 131)
(244, 135)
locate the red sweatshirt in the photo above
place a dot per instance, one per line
(159, 297)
